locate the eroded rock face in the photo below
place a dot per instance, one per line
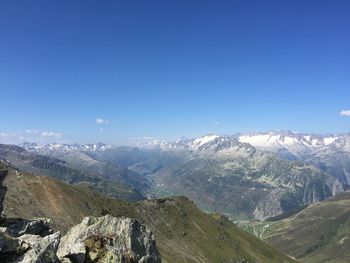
(39, 226)
(109, 239)
(271, 206)
(28, 241)
(39, 249)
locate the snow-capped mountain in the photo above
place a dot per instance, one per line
(297, 144)
(232, 174)
(221, 173)
(206, 143)
(288, 145)
(330, 153)
(34, 147)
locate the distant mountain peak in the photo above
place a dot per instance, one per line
(296, 143)
(205, 139)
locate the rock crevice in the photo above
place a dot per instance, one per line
(104, 239)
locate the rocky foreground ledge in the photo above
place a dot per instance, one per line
(103, 239)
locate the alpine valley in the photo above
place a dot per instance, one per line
(244, 176)
(148, 131)
(266, 182)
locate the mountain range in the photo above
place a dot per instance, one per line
(330, 153)
(182, 231)
(253, 175)
(295, 183)
(110, 179)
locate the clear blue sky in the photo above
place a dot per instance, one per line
(168, 69)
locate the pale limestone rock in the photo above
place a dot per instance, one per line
(39, 249)
(109, 239)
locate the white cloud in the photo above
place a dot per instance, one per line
(30, 135)
(101, 121)
(216, 123)
(32, 131)
(145, 138)
(142, 140)
(345, 113)
(51, 134)
(6, 137)
(5, 134)
(9, 135)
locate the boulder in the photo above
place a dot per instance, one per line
(109, 239)
(28, 241)
(10, 249)
(38, 226)
(39, 249)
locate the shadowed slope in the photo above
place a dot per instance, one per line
(183, 232)
(319, 233)
(108, 179)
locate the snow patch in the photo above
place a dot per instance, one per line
(205, 139)
(329, 140)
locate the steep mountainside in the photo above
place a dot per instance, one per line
(330, 153)
(319, 233)
(234, 178)
(290, 144)
(221, 174)
(183, 232)
(218, 172)
(81, 157)
(115, 184)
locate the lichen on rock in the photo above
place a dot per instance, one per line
(109, 239)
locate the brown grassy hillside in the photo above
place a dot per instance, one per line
(183, 232)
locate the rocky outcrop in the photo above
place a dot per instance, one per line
(109, 239)
(271, 206)
(104, 239)
(39, 249)
(183, 232)
(28, 241)
(19, 227)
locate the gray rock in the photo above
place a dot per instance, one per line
(270, 206)
(39, 249)
(109, 239)
(28, 241)
(10, 249)
(39, 226)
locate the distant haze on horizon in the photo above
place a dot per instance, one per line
(121, 71)
(22, 138)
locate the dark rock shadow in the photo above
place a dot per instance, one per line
(3, 189)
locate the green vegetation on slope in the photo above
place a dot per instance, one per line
(62, 170)
(183, 232)
(319, 233)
